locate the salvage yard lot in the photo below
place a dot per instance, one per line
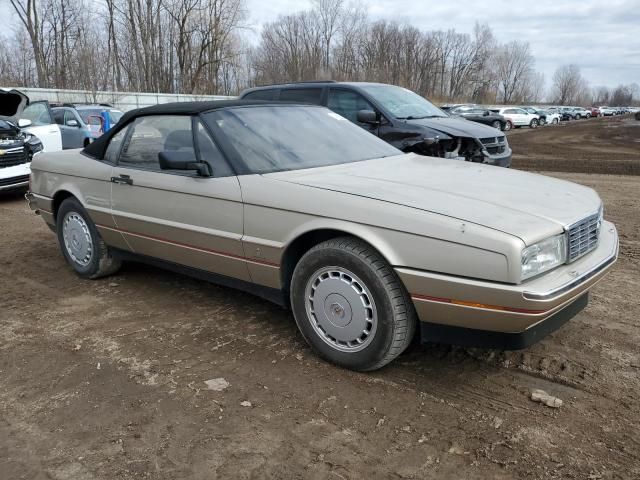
(105, 379)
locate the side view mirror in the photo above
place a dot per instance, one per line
(175, 160)
(72, 123)
(24, 122)
(368, 116)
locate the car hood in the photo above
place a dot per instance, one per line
(529, 206)
(12, 103)
(456, 127)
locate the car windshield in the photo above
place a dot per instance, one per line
(279, 138)
(403, 103)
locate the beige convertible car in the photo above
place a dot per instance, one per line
(365, 244)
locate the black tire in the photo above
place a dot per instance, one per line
(533, 123)
(508, 126)
(100, 261)
(497, 124)
(395, 319)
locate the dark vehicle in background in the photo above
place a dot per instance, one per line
(478, 114)
(399, 116)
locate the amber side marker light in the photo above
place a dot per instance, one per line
(476, 304)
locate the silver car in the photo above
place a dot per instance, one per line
(365, 244)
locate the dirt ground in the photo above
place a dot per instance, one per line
(608, 145)
(105, 379)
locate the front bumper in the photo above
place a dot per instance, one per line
(15, 177)
(499, 160)
(471, 312)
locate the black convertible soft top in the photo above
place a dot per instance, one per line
(98, 148)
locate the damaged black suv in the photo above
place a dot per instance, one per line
(399, 116)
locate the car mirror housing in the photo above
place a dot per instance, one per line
(72, 123)
(368, 116)
(176, 160)
(24, 122)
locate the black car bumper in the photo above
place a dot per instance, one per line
(469, 337)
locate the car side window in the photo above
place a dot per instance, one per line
(58, 116)
(261, 95)
(113, 149)
(151, 135)
(68, 116)
(347, 103)
(303, 95)
(209, 152)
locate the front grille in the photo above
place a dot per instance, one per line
(494, 145)
(13, 180)
(582, 237)
(13, 158)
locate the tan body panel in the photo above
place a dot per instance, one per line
(459, 272)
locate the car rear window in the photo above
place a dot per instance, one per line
(261, 95)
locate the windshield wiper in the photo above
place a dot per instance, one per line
(411, 117)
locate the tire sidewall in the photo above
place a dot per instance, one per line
(533, 124)
(508, 125)
(497, 125)
(383, 336)
(73, 205)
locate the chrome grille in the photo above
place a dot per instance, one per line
(494, 144)
(582, 237)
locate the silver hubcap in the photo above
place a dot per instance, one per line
(77, 238)
(341, 309)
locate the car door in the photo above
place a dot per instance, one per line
(74, 128)
(43, 126)
(176, 215)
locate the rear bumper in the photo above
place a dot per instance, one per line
(516, 314)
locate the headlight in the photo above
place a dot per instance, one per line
(544, 256)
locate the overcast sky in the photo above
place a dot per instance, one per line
(601, 36)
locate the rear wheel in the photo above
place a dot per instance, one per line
(80, 242)
(508, 125)
(497, 124)
(350, 306)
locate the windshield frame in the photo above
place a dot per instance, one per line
(373, 90)
(240, 165)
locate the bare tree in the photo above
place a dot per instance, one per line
(30, 13)
(567, 84)
(514, 64)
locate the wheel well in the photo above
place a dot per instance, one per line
(58, 198)
(300, 246)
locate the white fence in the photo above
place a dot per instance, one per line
(121, 100)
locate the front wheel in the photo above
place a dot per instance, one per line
(350, 305)
(533, 124)
(80, 242)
